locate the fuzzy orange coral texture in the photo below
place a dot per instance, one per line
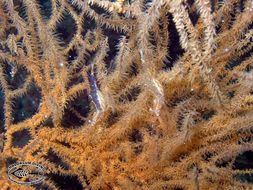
(147, 126)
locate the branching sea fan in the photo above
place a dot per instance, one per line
(127, 94)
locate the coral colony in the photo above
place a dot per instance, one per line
(126, 94)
